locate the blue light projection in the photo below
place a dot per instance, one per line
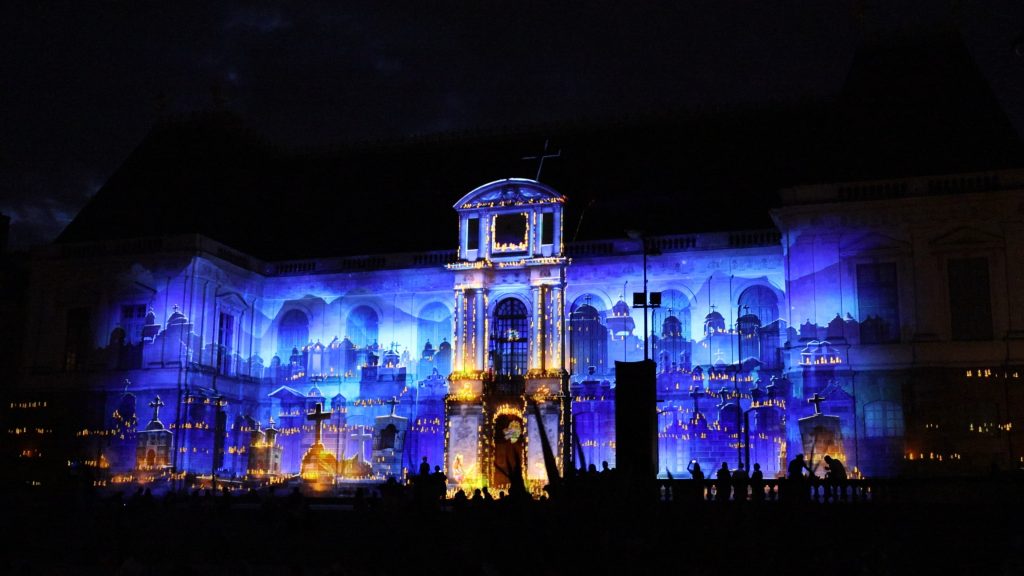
(394, 361)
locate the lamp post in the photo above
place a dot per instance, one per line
(640, 300)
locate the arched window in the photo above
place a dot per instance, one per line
(588, 338)
(673, 303)
(434, 324)
(671, 343)
(388, 438)
(509, 338)
(883, 419)
(361, 326)
(761, 302)
(292, 332)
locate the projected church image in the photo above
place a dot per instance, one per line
(850, 330)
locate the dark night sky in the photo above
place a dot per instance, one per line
(84, 82)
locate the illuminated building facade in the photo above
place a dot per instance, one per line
(896, 308)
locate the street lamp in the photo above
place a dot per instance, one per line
(640, 300)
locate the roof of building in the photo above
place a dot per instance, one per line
(910, 106)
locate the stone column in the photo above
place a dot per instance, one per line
(556, 244)
(556, 323)
(480, 325)
(536, 330)
(460, 331)
(484, 250)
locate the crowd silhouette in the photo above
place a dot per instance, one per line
(590, 523)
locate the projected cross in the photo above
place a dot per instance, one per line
(696, 392)
(723, 396)
(540, 158)
(155, 405)
(318, 415)
(817, 399)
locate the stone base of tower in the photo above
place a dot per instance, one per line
(494, 433)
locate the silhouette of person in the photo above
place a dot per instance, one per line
(798, 484)
(757, 484)
(604, 467)
(424, 468)
(695, 471)
(459, 501)
(723, 486)
(740, 480)
(439, 484)
(698, 479)
(835, 477)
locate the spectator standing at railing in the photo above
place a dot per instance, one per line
(723, 486)
(698, 479)
(757, 484)
(740, 481)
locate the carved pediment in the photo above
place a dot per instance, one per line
(872, 243)
(233, 301)
(966, 237)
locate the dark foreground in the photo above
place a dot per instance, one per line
(286, 535)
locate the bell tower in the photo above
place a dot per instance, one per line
(508, 381)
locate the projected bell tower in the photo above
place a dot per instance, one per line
(509, 360)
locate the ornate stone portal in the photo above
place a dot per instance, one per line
(510, 329)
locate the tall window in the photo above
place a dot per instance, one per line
(76, 339)
(878, 303)
(361, 326)
(970, 299)
(883, 419)
(547, 228)
(588, 339)
(434, 325)
(225, 339)
(473, 233)
(761, 302)
(293, 332)
(509, 338)
(133, 318)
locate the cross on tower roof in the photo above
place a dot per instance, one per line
(817, 399)
(540, 158)
(393, 402)
(318, 416)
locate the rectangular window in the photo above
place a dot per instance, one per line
(547, 228)
(76, 339)
(225, 337)
(473, 234)
(133, 317)
(970, 301)
(511, 232)
(878, 303)
(883, 419)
